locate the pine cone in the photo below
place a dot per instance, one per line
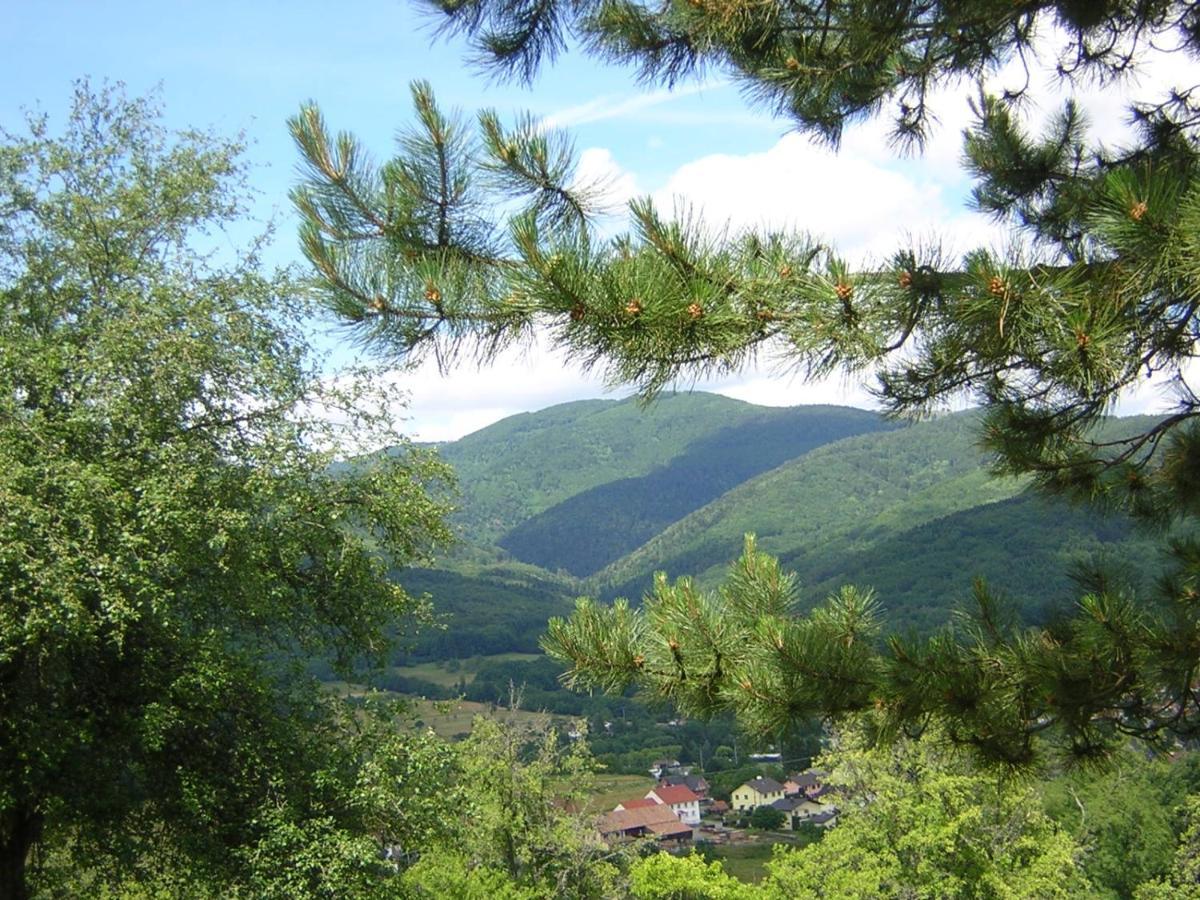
(997, 287)
(785, 271)
(696, 311)
(906, 280)
(432, 294)
(634, 307)
(577, 312)
(844, 291)
(1138, 210)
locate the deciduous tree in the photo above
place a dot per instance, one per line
(172, 533)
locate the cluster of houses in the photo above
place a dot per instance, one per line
(670, 811)
(802, 798)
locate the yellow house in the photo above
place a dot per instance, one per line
(759, 792)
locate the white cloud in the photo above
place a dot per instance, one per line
(863, 207)
(521, 379)
(620, 106)
(599, 169)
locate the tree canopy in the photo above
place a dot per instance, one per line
(173, 539)
(472, 238)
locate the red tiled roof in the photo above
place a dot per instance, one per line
(676, 793)
(656, 818)
(637, 803)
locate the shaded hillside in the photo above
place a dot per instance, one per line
(527, 463)
(1025, 548)
(493, 610)
(593, 528)
(848, 493)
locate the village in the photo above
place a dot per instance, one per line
(679, 813)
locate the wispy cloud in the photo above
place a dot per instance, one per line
(616, 106)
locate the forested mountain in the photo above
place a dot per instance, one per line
(525, 465)
(845, 494)
(840, 495)
(595, 527)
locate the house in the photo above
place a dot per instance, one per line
(718, 808)
(663, 767)
(655, 820)
(787, 806)
(761, 791)
(807, 782)
(683, 802)
(825, 819)
(799, 810)
(694, 783)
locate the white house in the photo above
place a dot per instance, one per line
(683, 802)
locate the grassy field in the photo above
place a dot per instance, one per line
(448, 673)
(612, 789)
(453, 718)
(745, 862)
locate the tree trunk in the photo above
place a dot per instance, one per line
(19, 830)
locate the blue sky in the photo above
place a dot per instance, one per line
(248, 66)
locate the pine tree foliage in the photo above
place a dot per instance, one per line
(1101, 291)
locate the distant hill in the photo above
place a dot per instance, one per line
(597, 526)
(845, 494)
(913, 513)
(525, 464)
(615, 492)
(486, 610)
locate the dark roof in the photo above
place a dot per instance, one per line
(764, 785)
(692, 782)
(787, 804)
(804, 779)
(822, 817)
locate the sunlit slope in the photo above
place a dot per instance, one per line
(527, 463)
(593, 528)
(841, 492)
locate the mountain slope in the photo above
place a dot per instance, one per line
(838, 509)
(597, 526)
(1025, 548)
(522, 465)
(845, 492)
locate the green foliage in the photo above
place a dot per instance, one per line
(449, 874)
(518, 818)
(1123, 816)
(484, 610)
(661, 876)
(171, 535)
(917, 822)
(767, 818)
(1183, 882)
(994, 686)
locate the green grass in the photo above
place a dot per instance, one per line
(448, 673)
(609, 790)
(745, 862)
(454, 718)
